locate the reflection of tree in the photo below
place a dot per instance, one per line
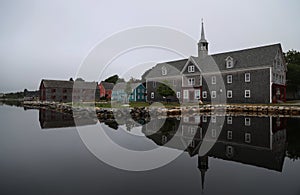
(164, 90)
(293, 137)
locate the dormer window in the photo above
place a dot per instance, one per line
(191, 68)
(164, 70)
(229, 62)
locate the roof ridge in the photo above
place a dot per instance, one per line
(247, 49)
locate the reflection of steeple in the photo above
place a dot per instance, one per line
(203, 167)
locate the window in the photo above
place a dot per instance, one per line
(191, 81)
(229, 151)
(247, 77)
(164, 139)
(191, 68)
(213, 94)
(213, 80)
(154, 84)
(229, 94)
(185, 94)
(64, 90)
(152, 95)
(53, 90)
(229, 62)
(229, 135)
(213, 119)
(247, 137)
(229, 78)
(197, 119)
(247, 122)
(178, 94)
(229, 120)
(213, 133)
(164, 70)
(139, 90)
(247, 94)
(197, 94)
(186, 119)
(204, 94)
(174, 82)
(138, 97)
(204, 119)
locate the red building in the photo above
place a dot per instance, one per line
(106, 89)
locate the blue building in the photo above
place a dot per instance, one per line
(138, 92)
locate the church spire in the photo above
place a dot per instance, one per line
(202, 39)
(202, 44)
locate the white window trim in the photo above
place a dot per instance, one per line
(229, 120)
(204, 118)
(185, 94)
(213, 94)
(191, 81)
(197, 94)
(204, 94)
(164, 70)
(191, 68)
(247, 93)
(213, 80)
(152, 95)
(247, 77)
(213, 119)
(229, 93)
(248, 137)
(229, 62)
(229, 78)
(178, 94)
(247, 121)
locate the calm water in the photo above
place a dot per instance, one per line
(42, 153)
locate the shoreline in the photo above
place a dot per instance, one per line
(233, 109)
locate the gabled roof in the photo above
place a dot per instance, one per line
(107, 86)
(122, 86)
(68, 84)
(246, 58)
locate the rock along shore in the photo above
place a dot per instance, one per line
(239, 109)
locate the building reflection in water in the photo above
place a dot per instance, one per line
(53, 119)
(257, 141)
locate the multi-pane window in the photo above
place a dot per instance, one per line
(191, 81)
(178, 94)
(213, 94)
(247, 122)
(247, 94)
(204, 119)
(229, 94)
(247, 137)
(197, 94)
(229, 78)
(229, 120)
(191, 68)
(185, 94)
(213, 80)
(152, 94)
(164, 70)
(213, 119)
(247, 77)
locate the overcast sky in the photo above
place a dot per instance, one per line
(50, 39)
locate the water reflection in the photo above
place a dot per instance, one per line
(255, 141)
(53, 119)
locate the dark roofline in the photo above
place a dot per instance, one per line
(247, 49)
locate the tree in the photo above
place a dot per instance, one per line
(79, 79)
(128, 90)
(113, 79)
(292, 57)
(164, 90)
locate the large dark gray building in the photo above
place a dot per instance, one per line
(254, 75)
